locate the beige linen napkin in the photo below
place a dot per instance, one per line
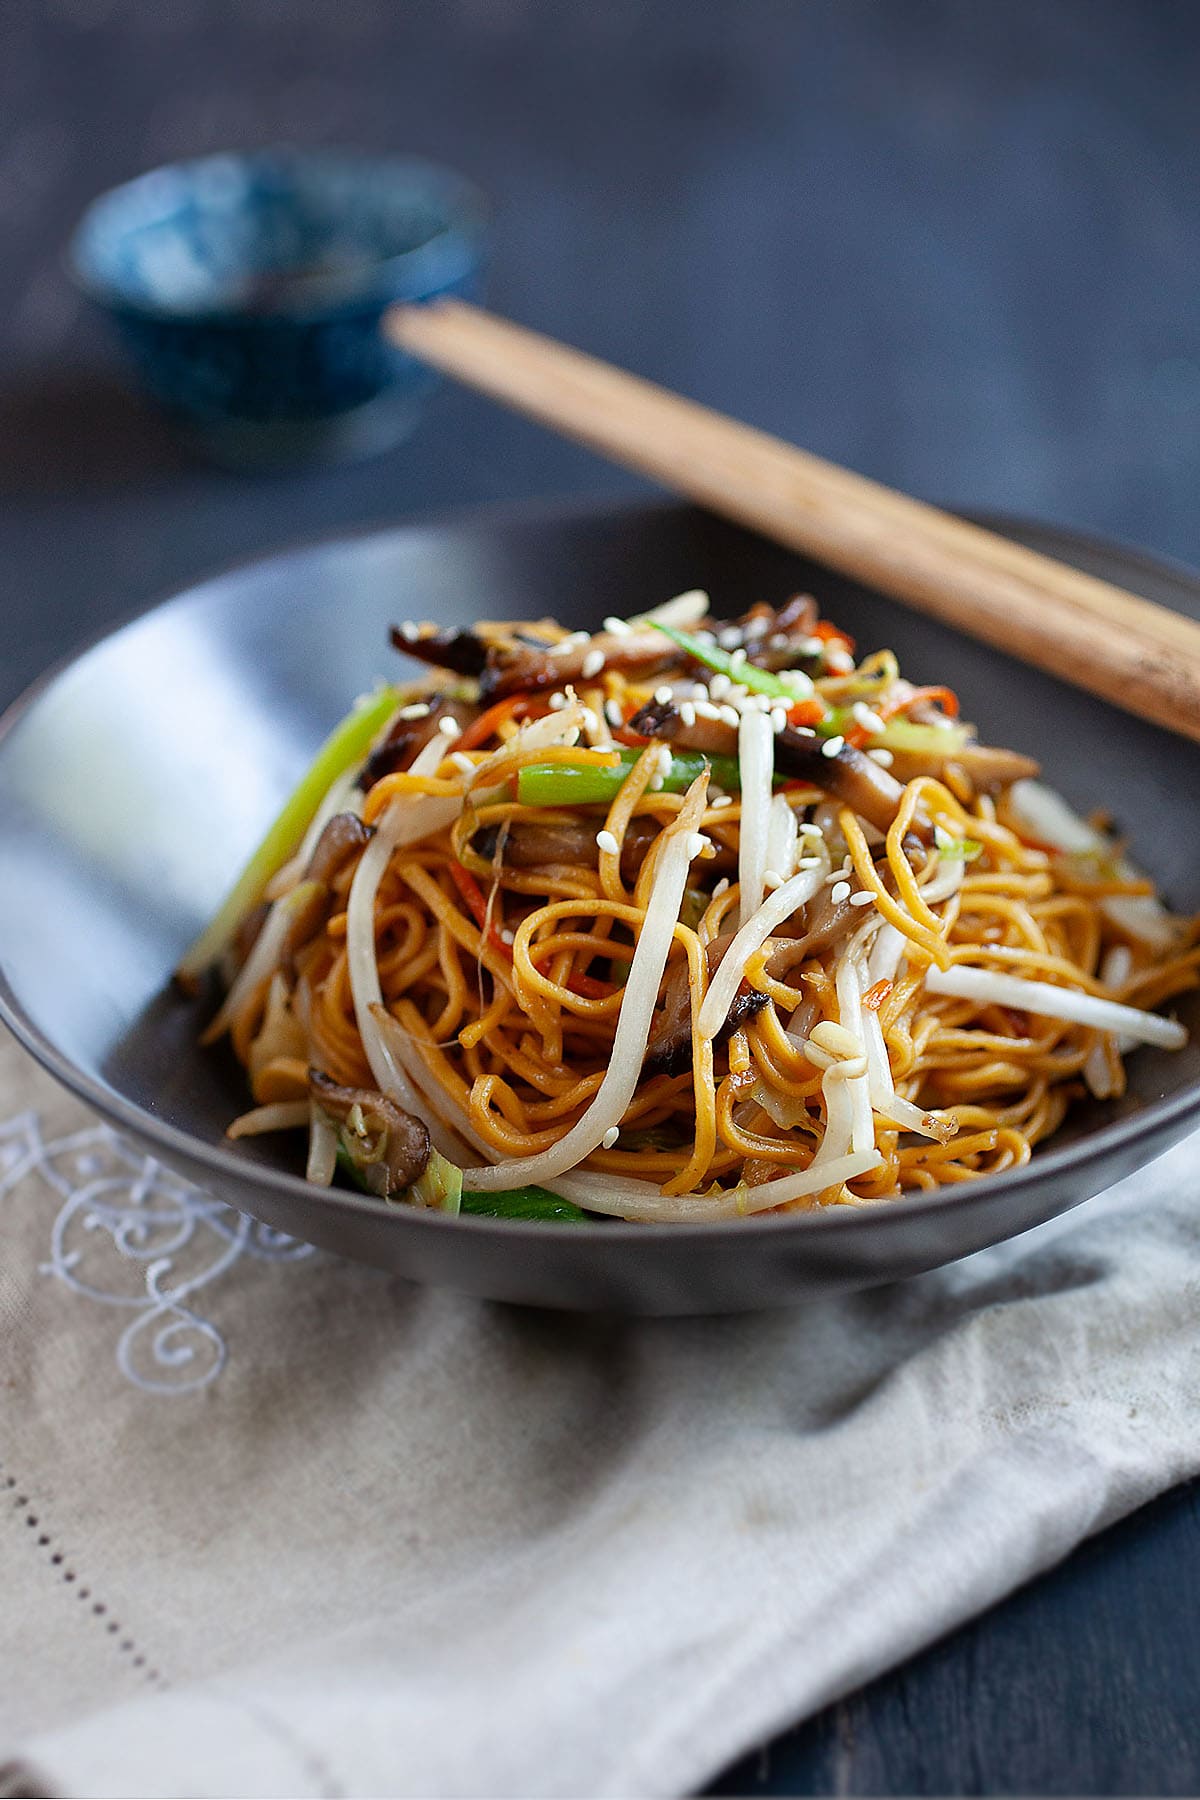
(275, 1524)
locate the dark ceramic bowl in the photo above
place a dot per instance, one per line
(134, 781)
(248, 292)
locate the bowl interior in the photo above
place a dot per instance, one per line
(135, 782)
(279, 231)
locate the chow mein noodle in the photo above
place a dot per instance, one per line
(679, 920)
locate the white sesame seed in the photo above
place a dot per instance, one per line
(450, 728)
(760, 702)
(699, 691)
(778, 721)
(721, 800)
(410, 632)
(777, 641)
(704, 637)
(808, 862)
(614, 714)
(706, 710)
(719, 686)
(687, 713)
(772, 879)
(414, 712)
(832, 745)
(507, 936)
(797, 682)
(839, 660)
(462, 761)
(664, 695)
(883, 757)
(738, 658)
(608, 843)
(840, 892)
(862, 898)
(720, 887)
(664, 758)
(804, 731)
(610, 1137)
(655, 784)
(730, 638)
(731, 716)
(593, 662)
(736, 693)
(617, 627)
(591, 724)
(556, 702)
(862, 715)
(811, 829)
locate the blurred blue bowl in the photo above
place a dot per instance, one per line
(248, 291)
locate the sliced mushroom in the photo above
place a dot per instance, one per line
(670, 1053)
(408, 736)
(388, 1147)
(989, 768)
(341, 837)
(462, 652)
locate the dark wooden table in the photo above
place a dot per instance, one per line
(953, 245)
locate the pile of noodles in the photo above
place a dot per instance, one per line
(512, 1005)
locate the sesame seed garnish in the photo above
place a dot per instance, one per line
(804, 731)
(730, 715)
(720, 887)
(832, 745)
(772, 879)
(706, 710)
(610, 1137)
(462, 761)
(507, 936)
(450, 728)
(840, 892)
(811, 829)
(664, 695)
(593, 662)
(721, 800)
(719, 686)
(410, 632)
(738, 658)
(862, 898)
(614, 714)
(418, 711)
(778, 721)
(617, 627)
(556, 702)
(687, 713)
(699, 691)
(883, 757)
(730, 638)
(862, 715)
(777, 641)
(839, 660)
(608, 843)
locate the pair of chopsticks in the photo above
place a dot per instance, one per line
(1133, 653)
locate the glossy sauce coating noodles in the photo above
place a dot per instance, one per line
(684, 920)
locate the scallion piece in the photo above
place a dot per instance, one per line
(587, 784)
(347, 744)
(522, 1203)
(748, 674)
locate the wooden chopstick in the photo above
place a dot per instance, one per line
(1133, 653)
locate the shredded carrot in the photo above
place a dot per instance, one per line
(487, 725)
(477, 906)
(875, 996)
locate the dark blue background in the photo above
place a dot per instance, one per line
(952, 243)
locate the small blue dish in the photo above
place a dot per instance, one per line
(249, 289)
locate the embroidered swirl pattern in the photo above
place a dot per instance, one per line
(131, 1235)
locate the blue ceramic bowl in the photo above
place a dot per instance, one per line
(248, 291)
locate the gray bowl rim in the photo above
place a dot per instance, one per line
(174, 1143)
(315, 300)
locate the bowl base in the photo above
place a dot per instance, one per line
(267, 445)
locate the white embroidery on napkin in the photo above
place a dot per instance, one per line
(132, 1235)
